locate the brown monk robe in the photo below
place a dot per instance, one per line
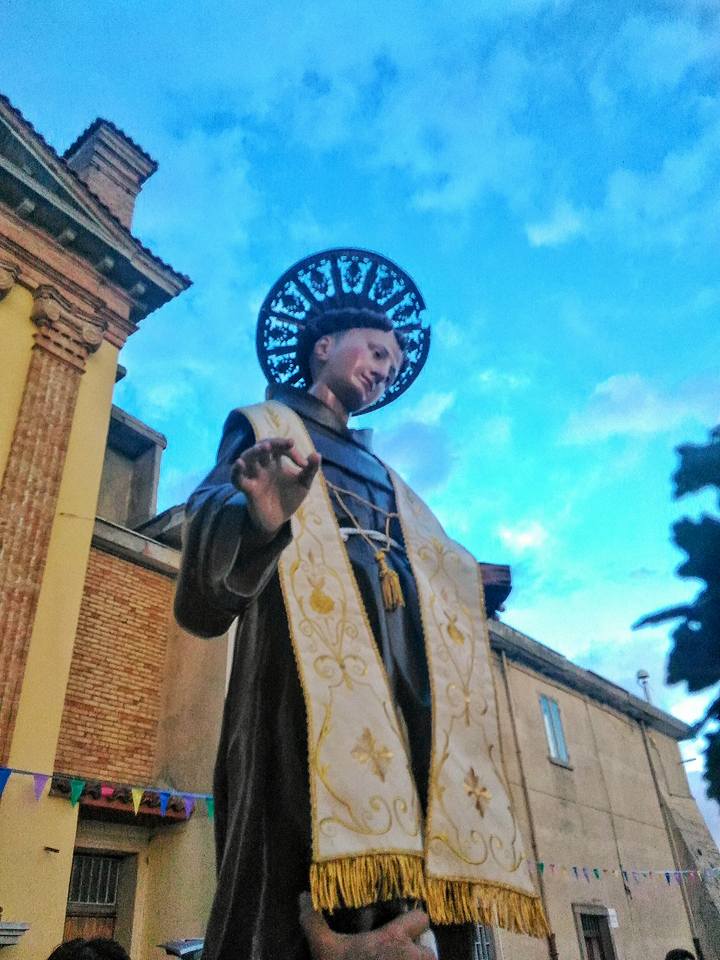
(261, 787)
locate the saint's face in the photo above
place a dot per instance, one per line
(360, 365)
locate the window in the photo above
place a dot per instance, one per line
(483, 945)
(94, 881)
(554, 729)
(594, 932)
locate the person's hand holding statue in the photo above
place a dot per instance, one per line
(396, 940)
(275, 479)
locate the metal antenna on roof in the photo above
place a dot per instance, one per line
(642, 677)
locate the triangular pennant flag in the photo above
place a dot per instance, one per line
(164, 797)
(189, 805)
(668, 878)
(678, 876)
(76, 788)
(596, 872)
(576, 872)
(541, 868)
(552, 868)
(106, 791)
(586, 874)
(636, 878)
(4, 777)
(39, 781)
(137, 795)
(210, 804)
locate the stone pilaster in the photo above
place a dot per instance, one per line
(31, 483)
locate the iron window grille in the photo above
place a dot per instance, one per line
(93, 884)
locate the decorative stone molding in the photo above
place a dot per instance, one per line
(8, 275)
(61, 331)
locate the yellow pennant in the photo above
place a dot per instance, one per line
(137, 795)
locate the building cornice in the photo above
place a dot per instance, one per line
(134, 547)
(541, 659)
(51, 221)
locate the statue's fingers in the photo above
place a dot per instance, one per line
(238, 472)
(314, 925)
(307, 473)
(410, 925)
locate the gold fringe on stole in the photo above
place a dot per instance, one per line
(360, 881)
(458, 901)
(372, 878)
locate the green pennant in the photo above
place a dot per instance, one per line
(541, 868)
(76, 788)
(210, 804)
(596, 872)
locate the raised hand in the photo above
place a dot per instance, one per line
(395, 940)
(275, 479)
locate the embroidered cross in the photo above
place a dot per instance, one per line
(480, 795)
(368, 750)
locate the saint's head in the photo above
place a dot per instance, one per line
(344, 324)
(354, 354)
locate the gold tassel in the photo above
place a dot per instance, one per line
(390, 583)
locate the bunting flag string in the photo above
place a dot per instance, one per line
(187, 800)
(634, 876)
(108, 791)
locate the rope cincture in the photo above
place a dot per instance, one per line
(389, 579)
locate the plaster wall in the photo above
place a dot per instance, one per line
(114, 499)
(191, 712)
(34, 879)
(16, 340)
(181, 884)
(601, 810)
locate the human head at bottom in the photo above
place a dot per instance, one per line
(98, 948)
(679, 954)
(354, 352)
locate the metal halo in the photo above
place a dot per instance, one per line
(341, 277)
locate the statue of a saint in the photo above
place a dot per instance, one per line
(359, 755)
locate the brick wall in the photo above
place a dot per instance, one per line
(112, 706)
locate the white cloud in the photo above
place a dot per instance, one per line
(523, 537)
(658, 54)
(676, 203)
(492, 379)
(629, 405)
(448, 334)
(564, 224)
(495, 431)
(432, 406)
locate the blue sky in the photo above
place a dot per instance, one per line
(546, 170)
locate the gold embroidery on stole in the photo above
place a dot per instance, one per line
(368, 840)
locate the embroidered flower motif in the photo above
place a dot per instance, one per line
(454, 632)
(480, 795)
(319, 600)
(368, 750)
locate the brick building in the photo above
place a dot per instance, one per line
(74, 284)
(102, 690)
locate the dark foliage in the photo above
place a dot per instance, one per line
(695, 655)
